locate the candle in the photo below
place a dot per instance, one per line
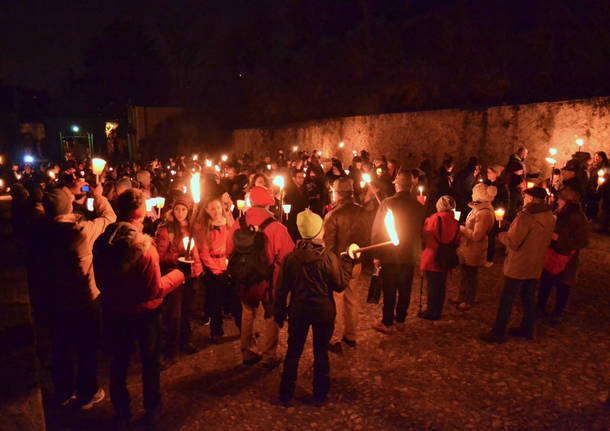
(530, 185)
(286, 208)
(217, 168)
(362, 184)
(553, 151)
(379, 171)
(551, 160)
(580, 143)
(279, 181)
(97, 165)
(366, 178)
(195, 157)
(347, 172)
(185, 242)
(268, 167)
(600, 181)
(295, 148)
(172, 172)
(160, 202)
(52, 174)
(150, 203)
(224, 158)
(241, 204)
(421, 190)
(341, 144)
(499, 214)
(355, 153)
(208, 163)
(457, 215)
(319, 153)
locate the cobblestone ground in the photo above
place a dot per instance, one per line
(436, 376)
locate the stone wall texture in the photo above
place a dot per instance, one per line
(491, 134)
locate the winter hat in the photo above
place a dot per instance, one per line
(262, 197)
(483, 193)
(497, 169)
(537, 192)
(57, 202)
(445, 203)
(309, 224)
(183, 200)
(131, 205)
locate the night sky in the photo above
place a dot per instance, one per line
(264, 62)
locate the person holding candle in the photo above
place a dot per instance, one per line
(76, 322)
(473, 245)
(461, 188)
(561, 264)
(441, 227)
(297, 199)
(211, 231)
(128, 274)
(397, 262)
(177, 306)
(343, 225)
(494, 178)
(526, 241)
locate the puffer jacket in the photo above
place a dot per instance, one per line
(450, 230)
(473, 245)
(572, 236)
(70, 240)
(344, 225)
(408, 219)
(310, 274)
(127, 271)
(527, 241)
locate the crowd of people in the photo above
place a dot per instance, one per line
(145, 250)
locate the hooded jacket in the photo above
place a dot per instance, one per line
(473, 245)
(345, 225)
(450, 231)
(572, 236)
(127, 271)
(310, 273)
(527, 241)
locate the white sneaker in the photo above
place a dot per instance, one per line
(96, 398)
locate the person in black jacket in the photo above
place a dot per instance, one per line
(310, 273)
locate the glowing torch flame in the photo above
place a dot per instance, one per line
(499, 214)
(553, 151)
(579, 142)
(551, 160)
(195, 188)
(366, 178)
(97, 165)
(279, 181)
(185, 242)
(391, 227)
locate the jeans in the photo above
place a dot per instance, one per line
(219, 295)
(527, 289)
(435, 284)
(176, 310)
(143, 329)
(396, 278)
(547, 281)
(468, 284)
(297, 334)
(78, 331)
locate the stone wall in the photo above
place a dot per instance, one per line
(491, 134)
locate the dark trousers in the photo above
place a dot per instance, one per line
(143, 329)
(527, 289)
(177, 309)
(491, 243)
(221, 295)
(547, 281)
(468, 284)
(396, 278)
(435, 285)
(297, 334)
(76, 332)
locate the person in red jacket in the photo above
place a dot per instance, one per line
(435, 277)
(128, 275)
(211, 231)
(279, 244)
(177, 307)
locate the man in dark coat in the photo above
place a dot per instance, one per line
(310, 274)
(397, 262)
(296, 197)
(345, 225)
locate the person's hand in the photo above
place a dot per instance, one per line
(376, 262)
(97, 190)
(185, 268)
(555, 236)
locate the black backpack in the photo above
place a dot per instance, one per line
(248, 263)
(446, 254)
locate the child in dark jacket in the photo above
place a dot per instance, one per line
(310, 273)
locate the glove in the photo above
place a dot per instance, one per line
(185, 268)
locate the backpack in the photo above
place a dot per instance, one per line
(248, 263)
(446, 254)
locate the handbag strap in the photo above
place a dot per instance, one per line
(440, 232)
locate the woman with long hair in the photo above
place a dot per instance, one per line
(211, 231)
(177, 306)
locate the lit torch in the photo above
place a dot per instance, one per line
(97, 166)
(354, 250)
(601, 179)
(499, 215)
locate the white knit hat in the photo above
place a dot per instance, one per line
(484, 193)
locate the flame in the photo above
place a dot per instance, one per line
(160, 202)
(499, 213)
(530, 185)
(579, 142)
(224, 158)
(194, 157)
(52, 174)
(217, 168)
(391, 227)
(379, 171)
(320, 153)
(421, 190)
(457, 215)
(295, 148)
(551, 160)
(341, 144)
(366, 178)
(208, 163)
(286, 208)
(150, 203)
(553, 151)
(241, 204)
(279, 181)
(347, 172)
(195, 188)
(601, 172)
(362, 184)
(600, 181)
(185, 242)
(97, 165)
(268, 167)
